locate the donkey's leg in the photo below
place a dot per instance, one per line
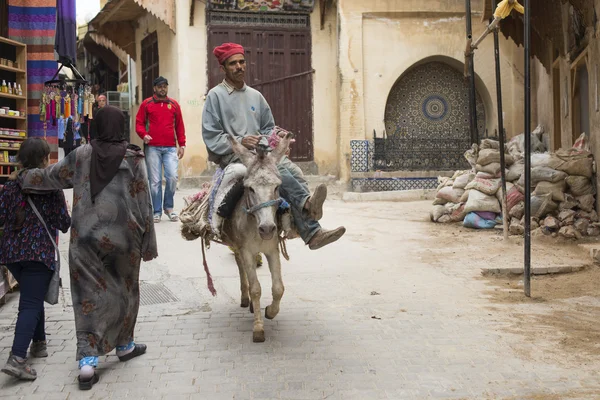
(277, 285)
(249, 262)
(244, 287)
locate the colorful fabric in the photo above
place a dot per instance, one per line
(128, 346)
(226, 50)
(109, 239)
(92, 361)
(33, 22)
(472, 220)
(31, 242)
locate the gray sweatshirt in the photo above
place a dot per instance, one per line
(240, 112)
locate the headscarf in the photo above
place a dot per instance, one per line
(226, 50)
(108, 149)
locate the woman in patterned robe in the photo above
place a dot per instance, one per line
(111, 232)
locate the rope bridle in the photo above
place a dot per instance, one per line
(266, 204)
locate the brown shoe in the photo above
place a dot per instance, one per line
(315, 203)
(323, 237)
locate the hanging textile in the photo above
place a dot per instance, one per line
(66, 30)
(34, 23)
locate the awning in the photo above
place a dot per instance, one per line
(116, 20)
(105, 42)
(546, 26)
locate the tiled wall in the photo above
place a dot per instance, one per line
(361, 160)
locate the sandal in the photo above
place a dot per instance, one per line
(87, 385)
(156, 218)
(19, 369)
(138, 350)
(173, 217)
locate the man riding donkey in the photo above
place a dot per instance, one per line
(233, 108)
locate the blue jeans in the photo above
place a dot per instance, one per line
(294, 189)
(33, 278)
(158, 158)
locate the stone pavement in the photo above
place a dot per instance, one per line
(367, 318)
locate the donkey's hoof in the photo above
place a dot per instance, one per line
(258, 336)
(251, 308)
(245, 303)
(269, 314)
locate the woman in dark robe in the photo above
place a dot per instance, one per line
(111, 232)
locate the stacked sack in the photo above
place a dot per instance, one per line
(563, 193)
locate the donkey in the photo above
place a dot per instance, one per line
(252, 228)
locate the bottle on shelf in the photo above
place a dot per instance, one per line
(10, 90)
(4, 87)
(19, 91)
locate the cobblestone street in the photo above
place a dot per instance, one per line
(378, 315)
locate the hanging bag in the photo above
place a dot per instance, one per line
(54, 286)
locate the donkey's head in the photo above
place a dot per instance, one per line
(261, 194)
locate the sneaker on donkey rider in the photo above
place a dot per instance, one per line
(232, 107)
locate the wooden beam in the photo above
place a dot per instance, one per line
(580, 57)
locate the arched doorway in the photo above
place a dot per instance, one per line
(427, 120)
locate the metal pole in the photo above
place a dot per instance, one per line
(527, 266)
(471, 73)
(500, 129)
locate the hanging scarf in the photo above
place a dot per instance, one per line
(108, 149)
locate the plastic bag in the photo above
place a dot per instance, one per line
(493, 168)
(580, 186)
(465, 196)
(472, 220)
(583, 166)
(513, 197)
(582, 143)
(438, 212)
(545, 160)
(488, 156)
(539, 174)
(557, 189)
(515, 171)
(450, 194)
(458, 213)
(487, 186)
(482, 202)
(471, 155)
(463, 180)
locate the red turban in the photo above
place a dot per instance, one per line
(226, 50)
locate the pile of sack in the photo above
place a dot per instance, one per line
(562, 189)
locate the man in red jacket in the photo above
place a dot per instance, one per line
(160, 125)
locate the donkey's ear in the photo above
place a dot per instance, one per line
(282, 148)
(245, 155)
